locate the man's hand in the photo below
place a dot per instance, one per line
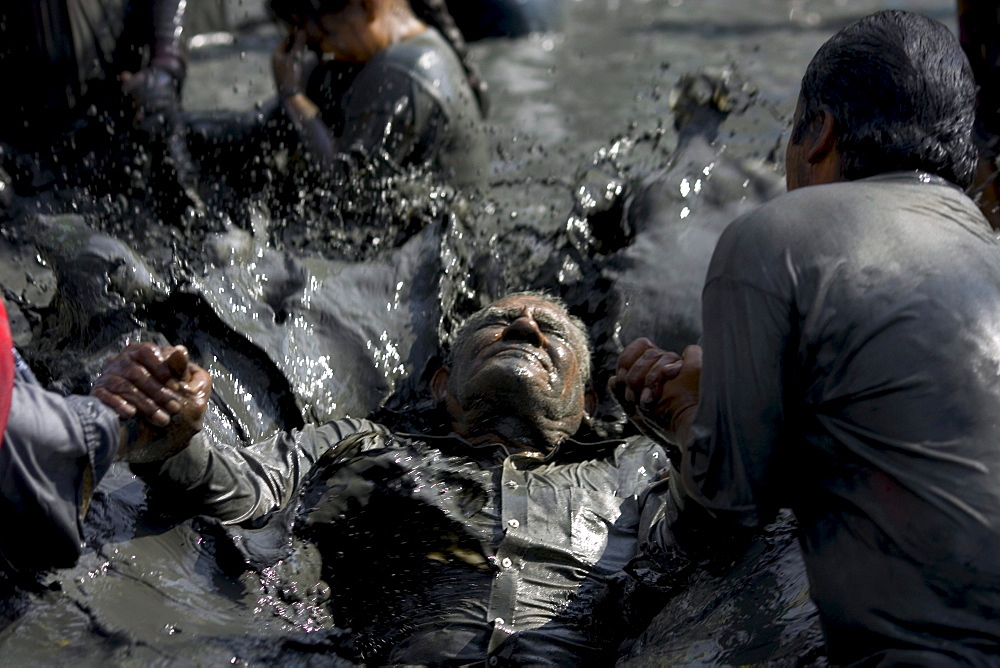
(658, 389)
(163, 395)
(155, 96)
(287, 64)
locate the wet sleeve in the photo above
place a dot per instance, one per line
(155, 27)
(168, 39)
(55, 449)
(732, 464)
(390, 115)
(241, 484)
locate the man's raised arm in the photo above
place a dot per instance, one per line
(232, 484)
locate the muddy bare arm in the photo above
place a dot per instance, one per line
(289, 79)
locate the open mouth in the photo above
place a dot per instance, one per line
(522, 352)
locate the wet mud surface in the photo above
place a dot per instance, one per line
(599, 192)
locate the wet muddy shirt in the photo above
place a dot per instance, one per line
(439, 551)
(852, 373)
(55, 450)
(411, 103)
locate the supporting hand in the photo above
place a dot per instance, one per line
(162, 394)
(658, 389)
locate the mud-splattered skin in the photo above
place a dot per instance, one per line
(519, 375)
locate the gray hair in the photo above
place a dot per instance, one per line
(581, 340)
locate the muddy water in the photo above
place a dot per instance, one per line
(594, 194)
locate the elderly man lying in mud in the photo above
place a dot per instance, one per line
(503, 538)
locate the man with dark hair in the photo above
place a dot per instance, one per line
(979, 34)
(851, 338)
(501, 538)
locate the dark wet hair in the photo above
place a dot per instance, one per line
(902, 95)
(436, 14)
(582, 338)
(286, 10)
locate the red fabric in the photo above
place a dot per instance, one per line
(6, 368)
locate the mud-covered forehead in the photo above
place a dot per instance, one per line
(552, 313)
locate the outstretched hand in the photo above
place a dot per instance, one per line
(162, 392)
(658, 389)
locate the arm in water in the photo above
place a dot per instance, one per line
(233, 484)
(56, 449)
(287, 66)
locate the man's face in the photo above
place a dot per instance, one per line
(522, 354)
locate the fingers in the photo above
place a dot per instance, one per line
(643, 368)
(177, 361)
(692, 356)
(627, 360)
(199, 383)
(154, 360)
(666, 367)
(120, 406)
(155, 403)
(634, 351)
(147, 380)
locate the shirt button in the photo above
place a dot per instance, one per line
(513, 524)
(499, 622)
(494, 661)
(506, 563)
(512, 485)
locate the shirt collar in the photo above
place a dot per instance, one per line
(913, 176)
(567, 449)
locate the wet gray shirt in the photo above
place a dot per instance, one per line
(412, 104)
(852, 373)
(447, 552)
(55, 449)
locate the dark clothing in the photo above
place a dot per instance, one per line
(59, 58)
(55, 450)
(852, 373)
(411, 104)
(438, 550)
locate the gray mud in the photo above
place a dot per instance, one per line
(301, 316)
